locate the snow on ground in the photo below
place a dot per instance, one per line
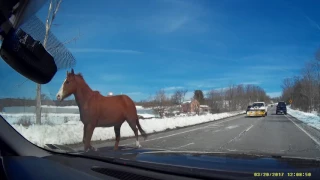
(309, 118)
(62, 107)
(71, 131)
(58, 118)
(145, 115)
(46, 118)
(139, 107)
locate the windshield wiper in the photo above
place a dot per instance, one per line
(59, 148)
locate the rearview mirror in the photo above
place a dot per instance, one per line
(28, 57)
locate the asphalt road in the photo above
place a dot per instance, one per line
(273, 134)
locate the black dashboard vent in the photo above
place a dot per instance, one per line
(121, 174)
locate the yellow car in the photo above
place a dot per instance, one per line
(257, 109)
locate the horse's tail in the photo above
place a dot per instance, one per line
(143, 133)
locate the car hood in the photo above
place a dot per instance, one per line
(215, 161)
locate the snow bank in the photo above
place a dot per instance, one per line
(72, 131)
(309, 118)
(63, 107)
(147, 115)
(46, 118)
(60, 118)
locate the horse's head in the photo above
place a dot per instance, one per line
(68, 87)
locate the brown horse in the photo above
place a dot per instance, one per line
(100, 111)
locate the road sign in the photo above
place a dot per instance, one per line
(290, 101)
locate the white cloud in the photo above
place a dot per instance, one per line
(208, 83)
(136, 96)
(133, 93)
(174, 15)
(189, 95)
(275, 68)
(168, 22)
(223, 89)
(163, 16)
(177, 23)
(100, 50)
(312, 22)
(274, 94)
(172, 88)
(252, 82)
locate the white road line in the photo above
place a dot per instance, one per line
(216, 131)
(249, 128)
(214, 125)
(182, 146)
(232, 127)
(231, 150)
(310, 136)
(240, 134)
(183, 132)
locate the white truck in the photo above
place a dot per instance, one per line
(258, 109)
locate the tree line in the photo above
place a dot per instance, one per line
(304, 89)
(232, 98)
(9, 102)
(235, 97)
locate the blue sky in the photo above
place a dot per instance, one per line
(138, 47)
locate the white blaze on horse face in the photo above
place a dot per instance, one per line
(60, 92)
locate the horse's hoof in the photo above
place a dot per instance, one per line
(145, 137)
(93, 149)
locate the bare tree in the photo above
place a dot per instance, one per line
(214, 101)
(309, 85)
(178, 96)
(230, 97)
(160, 101)
(175, 98)
(304, 90)
(184, 92)
(235, 97)
(44, 97)
(196, 105)
(318, 55)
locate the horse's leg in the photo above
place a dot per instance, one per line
(89, 132)
(84, 132)
(134, 128)
(117, 133)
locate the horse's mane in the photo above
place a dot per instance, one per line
(80, 75)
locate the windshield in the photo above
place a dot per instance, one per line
(177, 75)
(281, 104)
(257, 104)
